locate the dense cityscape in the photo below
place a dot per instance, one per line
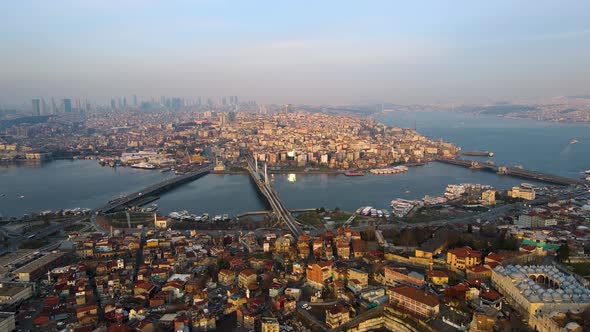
(279, 166)
(475, 258)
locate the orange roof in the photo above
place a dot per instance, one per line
(465, 252)
(417, 295)
(478, 269)
(436, 274)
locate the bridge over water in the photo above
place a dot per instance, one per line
(156, 189)
(514, 171)
(272, 197)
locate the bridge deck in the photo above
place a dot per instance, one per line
(273, 198)
(514, 171)
(156, 188)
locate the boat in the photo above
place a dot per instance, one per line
(353, 173)
(389, 170)
(366, 211)
(527, 185)
(217, 217)
(478, 153)
(205, 216)
(574, 141)
(21, 196)
(144, 165)
(166, 169)
(226, 217)
(358, 211)
(587, 171)
(151, 208)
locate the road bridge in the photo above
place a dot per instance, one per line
(272, 197)
(155, 189)
(513, 171)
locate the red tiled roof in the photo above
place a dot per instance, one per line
(417, 295)
(465, 252)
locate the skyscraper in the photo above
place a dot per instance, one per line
(113, 104)
(53, 106)
(36, 107)
(134, 100)
(67, 105)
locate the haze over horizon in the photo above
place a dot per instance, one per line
(300, 52)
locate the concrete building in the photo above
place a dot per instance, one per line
(337, 316)
(37, 268)
(524, 193)
(14, 293)
(488, 197)
(464, 257)
(246, 277)
(357, 279)
(7, 322)
(532, 289)
(415, 301)
(270, 324)
(318, 272)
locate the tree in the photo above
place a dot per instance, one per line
(563, 253)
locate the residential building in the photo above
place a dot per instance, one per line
(464, 257)
(415, 301)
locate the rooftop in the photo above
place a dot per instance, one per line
(534, 283)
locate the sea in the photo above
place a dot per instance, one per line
(544, 146)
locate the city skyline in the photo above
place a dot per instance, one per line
(302, 53)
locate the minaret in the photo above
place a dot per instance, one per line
(265, 174)
(256, 160)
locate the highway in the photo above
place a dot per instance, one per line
(273, 198)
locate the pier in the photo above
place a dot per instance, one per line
(272, 197)
(513, 171)
(156, 189)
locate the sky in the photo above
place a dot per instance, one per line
(313, 52)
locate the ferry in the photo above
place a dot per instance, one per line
(374, 213)
(217, 218)
(587, 171)
(478, 153)
(151, 208)
(401, 207)
(351, 172)
(389, 170)
(527, 186)
(226, 217)
(366, 211)
(144, 165)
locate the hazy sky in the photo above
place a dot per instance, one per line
(295, 51)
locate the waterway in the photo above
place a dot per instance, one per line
(535, 145)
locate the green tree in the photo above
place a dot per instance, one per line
(563, 253)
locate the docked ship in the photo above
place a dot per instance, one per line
(151, 208)
(389, 170)
(144, 165)
(478, 153)
(352, 172)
